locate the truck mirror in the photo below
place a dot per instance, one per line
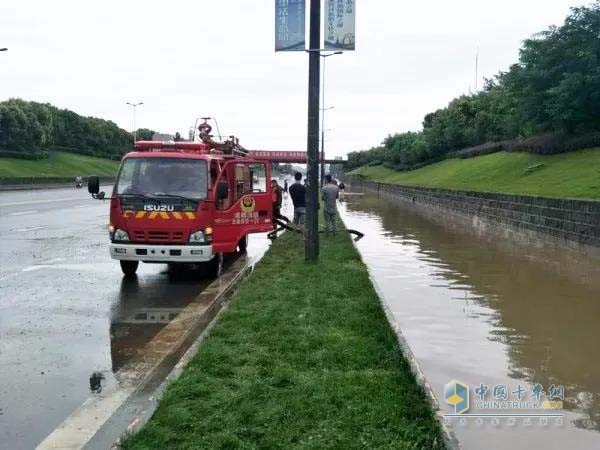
(222, 190)
(93, 185)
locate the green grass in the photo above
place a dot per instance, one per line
(567, 175)
(303, 358)
(58, 164)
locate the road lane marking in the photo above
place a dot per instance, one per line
(32, 202)
(22, 213)
(21, 230)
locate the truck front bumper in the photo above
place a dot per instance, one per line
(161, 253)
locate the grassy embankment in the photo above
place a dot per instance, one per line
(58, 164)
(568, 175)
(303, 358)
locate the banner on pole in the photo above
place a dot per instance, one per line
(290, 25)
(340, 24)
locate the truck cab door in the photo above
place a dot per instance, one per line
(248, 207)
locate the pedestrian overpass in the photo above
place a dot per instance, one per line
(290, 157)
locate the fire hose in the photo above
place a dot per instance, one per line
(285, 224)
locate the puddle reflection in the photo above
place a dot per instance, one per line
(147, 304)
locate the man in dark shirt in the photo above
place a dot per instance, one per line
(298, 194)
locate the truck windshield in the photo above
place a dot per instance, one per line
(163, 177)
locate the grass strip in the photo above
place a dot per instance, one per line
(567, 175)
(58, 164)
(303, 358)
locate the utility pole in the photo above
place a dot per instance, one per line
(323, 116)
(314, 61)
(134, 105)
(323, 140)
(476, 69)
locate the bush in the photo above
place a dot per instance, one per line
(483, 149)
(553, 143)
(25, 155)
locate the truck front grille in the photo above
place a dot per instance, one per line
(159, 236)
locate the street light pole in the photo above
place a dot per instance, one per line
(312, 147)
(134, 105)
(323, 138)
(323, 116)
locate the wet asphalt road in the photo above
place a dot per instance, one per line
(66, 313)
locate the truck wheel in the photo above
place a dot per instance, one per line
(129, 267)
(214, 267)
(243, 244)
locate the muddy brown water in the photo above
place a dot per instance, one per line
(487, 306)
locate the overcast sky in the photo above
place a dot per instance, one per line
(186, 59)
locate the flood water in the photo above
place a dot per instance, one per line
(488, 308)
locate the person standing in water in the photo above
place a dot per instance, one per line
(329, 194)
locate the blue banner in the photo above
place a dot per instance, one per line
(290, 25)
(340, 24)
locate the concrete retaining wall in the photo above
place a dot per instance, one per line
(568, 220)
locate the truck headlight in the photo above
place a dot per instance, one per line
(201, 236)
(120, 235)
(197, 238)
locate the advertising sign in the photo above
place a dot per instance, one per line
(340, 24)
(289, 25)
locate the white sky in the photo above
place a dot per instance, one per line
(187, 59)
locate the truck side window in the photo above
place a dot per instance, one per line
(214, 172)
(258, 178)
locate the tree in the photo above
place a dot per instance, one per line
(144, 134)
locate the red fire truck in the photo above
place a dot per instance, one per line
(186, 202)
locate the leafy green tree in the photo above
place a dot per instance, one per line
(144, 134)
(553, 91)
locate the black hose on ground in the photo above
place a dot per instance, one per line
(287, 225)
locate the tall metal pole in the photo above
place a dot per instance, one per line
(134, 128)
(323, 139)
(134, 105)
(314, 60)
(476, 69)
(323, 126)
(323, 109)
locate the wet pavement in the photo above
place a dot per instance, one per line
(487, 308)
(68, 319)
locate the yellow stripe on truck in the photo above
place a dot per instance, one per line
(163, 215)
